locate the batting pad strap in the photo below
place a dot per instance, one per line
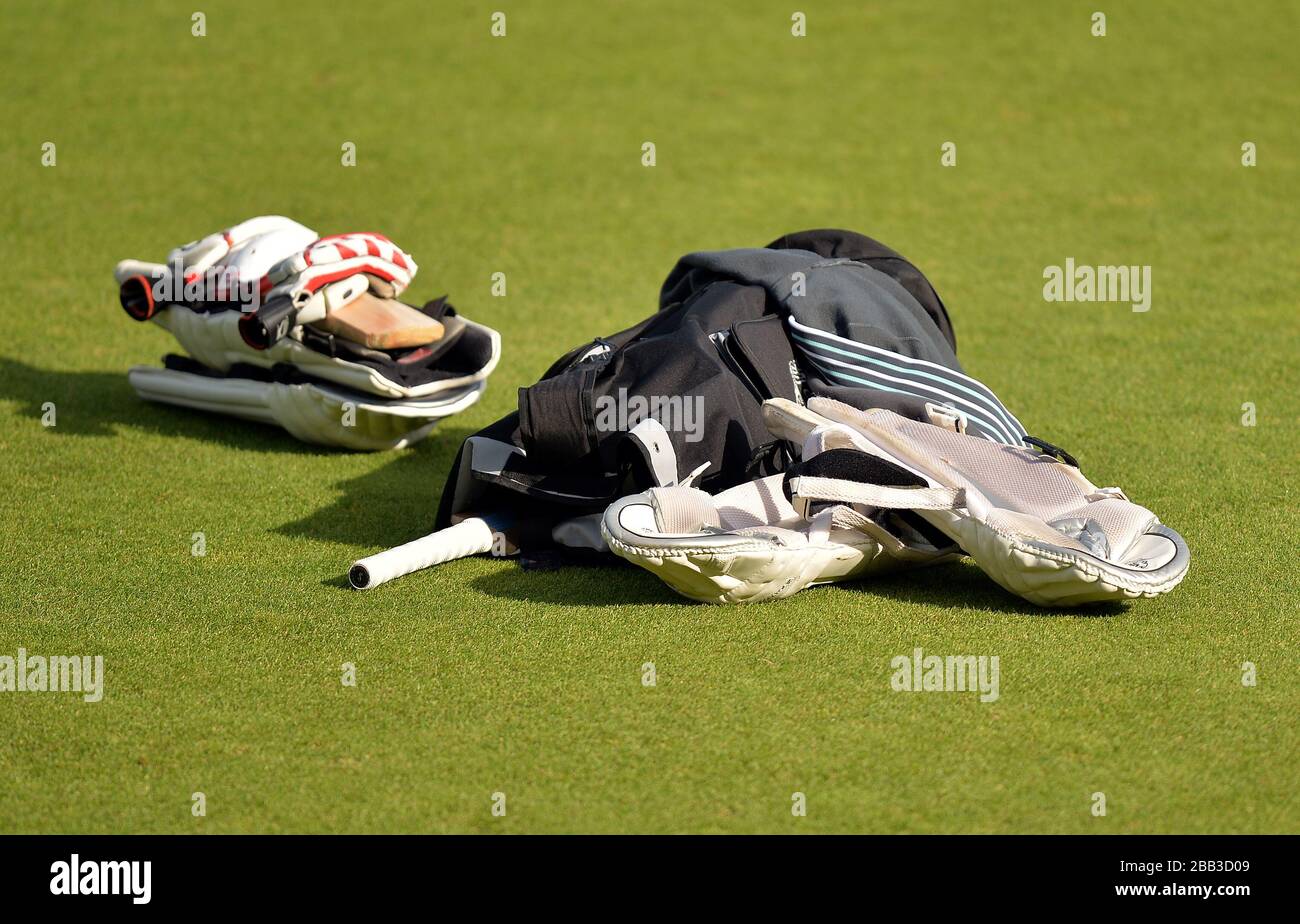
(806, 488)
(850, 476)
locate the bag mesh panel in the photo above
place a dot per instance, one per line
(758, 503)
(1030, 488)
(755, 504)
(683, 510)
(1009, 476)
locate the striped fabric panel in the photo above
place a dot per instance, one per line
(849, 362)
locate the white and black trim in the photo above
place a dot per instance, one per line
(855, 363)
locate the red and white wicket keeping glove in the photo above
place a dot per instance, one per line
(339, 257)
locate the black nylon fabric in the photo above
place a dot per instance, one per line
(857, 288)
(719, 336)
(691, 351)
(853, 246)
(852, 465)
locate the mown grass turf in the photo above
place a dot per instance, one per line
(523, 155)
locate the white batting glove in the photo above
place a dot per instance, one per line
(198, 256)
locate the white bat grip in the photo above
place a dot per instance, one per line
(471, 536)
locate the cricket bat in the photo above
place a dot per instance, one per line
(381, 323)
(471, 536)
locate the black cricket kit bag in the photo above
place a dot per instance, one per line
(836, 437)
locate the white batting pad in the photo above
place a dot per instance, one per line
(313, 413)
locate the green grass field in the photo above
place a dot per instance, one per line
(523, 155)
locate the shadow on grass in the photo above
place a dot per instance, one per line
(961, 585)
(619, 584)
(955, 586)
(95, 404)
(392, 504)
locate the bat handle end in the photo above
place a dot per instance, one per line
(471, 536)
(359, 576)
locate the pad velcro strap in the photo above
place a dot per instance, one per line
(850, 476)
(855, 465)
